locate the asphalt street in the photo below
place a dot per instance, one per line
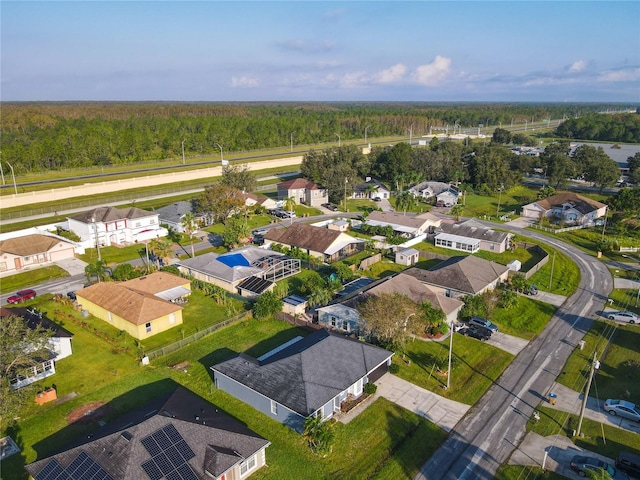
(495, 426)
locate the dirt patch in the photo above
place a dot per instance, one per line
(87, 413)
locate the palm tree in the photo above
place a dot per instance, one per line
(161, 249)
(405, 200)
(371, 189)
(190, 226)
(98, 270)
(456, 211)
(289, 204)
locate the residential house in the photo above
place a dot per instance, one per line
(471, 236)
(340, 225)
(248, 271)
(179, 437)
(252, 200)
(302, 191)
(59, 346)
(323, 243)
(306, 377)
(410, 225)
(427, 190)
(371, 189)
(345, 317)
(131, 306)
(407, 256)
(173, 215)
(33, 250)
(568, 207)
(448, 197)
(459, 276)
(105, 226)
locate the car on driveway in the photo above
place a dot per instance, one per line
(479, 333)
(330, 206)
(582, 464)
(623, 316)
(623, 408)
(22, 296)
(484, 323)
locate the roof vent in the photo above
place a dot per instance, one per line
(127, 436)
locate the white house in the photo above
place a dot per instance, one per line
(412, 225)
(371, 188)
(106, 226)
(568, 206)
(407, 256)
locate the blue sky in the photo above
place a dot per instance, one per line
(575, 51)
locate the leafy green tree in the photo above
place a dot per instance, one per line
(343, 271)
(391, 318)
(235, 231)
(501, 135)
(520, 283)
(634, 168)
(546, 191)
(508, 299)
(125, 271)
(456, 211)
(220, 201)
(598, 474)
(559, 165)
(240, 177)
(405, 201)
(434, 318)
(268, 304)
(21, 348)
(598, 167)
(319, 435)
(474, 305)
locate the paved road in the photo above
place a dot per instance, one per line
(495, 426)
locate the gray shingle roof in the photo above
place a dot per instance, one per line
(466, 274)
(210, 265)
(309, 373)
(173, 213)
(119, 451)
(110, 214)
(474, 229)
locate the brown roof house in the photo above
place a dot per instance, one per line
(568, 207)
(345, 316)
(184, 437)
(141, 307)
(33, 250)
(328, 245)
(302, 191)
(105, 226)
(471, 236)
(253, 200)
(59, 346)
(459, 276)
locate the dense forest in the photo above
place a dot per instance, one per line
(53, 136)
(624, 128)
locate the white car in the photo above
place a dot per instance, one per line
(623, 316)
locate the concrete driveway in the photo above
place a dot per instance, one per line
(508, 343)
(443, 412)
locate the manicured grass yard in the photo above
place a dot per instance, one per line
(30, 278)
(525, 319)
(516, 472)
(620, 368)
(385, 441)
(115, 255)
(475, 366)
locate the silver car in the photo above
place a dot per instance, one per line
(623, 408)
(623, 316)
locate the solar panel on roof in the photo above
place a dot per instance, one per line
(83, 467)
(151, 445)
(185, 450)
(51, 471)
(151, 469)
(169, 454)
(255, 284)
(186, 473)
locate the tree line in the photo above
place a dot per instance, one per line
(606, 128)
(52, 136)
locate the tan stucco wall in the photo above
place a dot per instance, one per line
(87, 189)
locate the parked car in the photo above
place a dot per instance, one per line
(623, 408)
(476, 332)
(623, 316)
(440, 203)
(581, 464)
(21, 296)
(377, 199)
(483, 322)
(72, 296)
(628, 463)
(260, 231)
(330, 206)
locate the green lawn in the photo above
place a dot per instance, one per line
(476, 366)
(604, 439)
(383, 268)
(115, 255)
(516, 472)
(384, 441)
(419, 207)
(359, 205)
(619, 369)
(625, 299)
(31, 278)
(526, 319)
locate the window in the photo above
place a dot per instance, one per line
(345, 325)
(147, 327)
(274, 407)
(333, 321)
(172, 318)
(248, 465)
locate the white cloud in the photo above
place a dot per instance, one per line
(244, 82)
(392, 74)
(355, 79)
(432, 73)
(622, 75)
(578, 66)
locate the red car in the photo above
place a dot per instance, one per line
(21, 296)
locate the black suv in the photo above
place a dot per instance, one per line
(479, 333)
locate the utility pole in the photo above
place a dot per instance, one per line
(345, 193)
(594, 366)
(183, 152)
(553, 262)
(450, 352)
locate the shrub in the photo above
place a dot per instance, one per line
(370, 388)
(394, 368)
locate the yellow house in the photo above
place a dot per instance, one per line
(141, 314)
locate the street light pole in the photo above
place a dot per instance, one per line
(499, 198)
(338, 140)
(450, 353)
(365, 134)
(15, 188)
(183, 152)
(292, 141)
(345, 193)
(594, 366)
(221, 156)
(95, 231)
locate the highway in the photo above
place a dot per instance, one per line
(495, 425)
